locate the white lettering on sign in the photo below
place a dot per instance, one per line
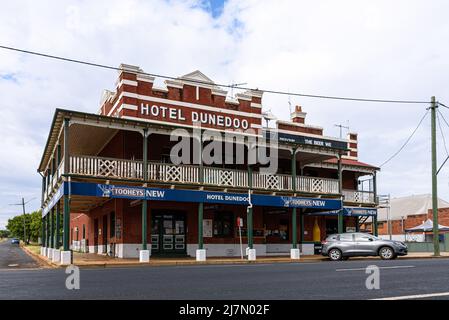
(207, 118)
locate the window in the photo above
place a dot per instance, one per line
(346, 237)
(363, 238)
(84, 231)
(223, 224)
(380, 225)
(112, 225)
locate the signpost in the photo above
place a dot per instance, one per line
(240, 225)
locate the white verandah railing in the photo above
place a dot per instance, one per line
(190, 174)
(358, 196)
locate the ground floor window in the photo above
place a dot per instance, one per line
(223, 224)
(112, 224)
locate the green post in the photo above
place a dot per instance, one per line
(340, 191)
(249, 213)
(301, 226)
(47, 230)
(201, 204)
(66, 224)
(58, 226)
(52, 228)
(43, 244)
(294, 222)
(66, 213)
(200, 225)
(376, 201)
(375, 228)
(357, 226)
(436, 241)
(145, 178)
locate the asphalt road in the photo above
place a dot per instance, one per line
(12, 257)
(320, 280)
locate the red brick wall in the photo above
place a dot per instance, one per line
(398, 226)
(186, 94)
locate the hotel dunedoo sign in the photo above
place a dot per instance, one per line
(190, 116)
(307, 140)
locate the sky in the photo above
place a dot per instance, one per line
(379, 49)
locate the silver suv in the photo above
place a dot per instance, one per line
(345, 245)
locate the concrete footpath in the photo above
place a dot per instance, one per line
(95, 260)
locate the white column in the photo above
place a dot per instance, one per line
(56, 256)
(144, 256)
(201, 255)
(66, 257)
(294, 254)
(251, 254)
(49, 253)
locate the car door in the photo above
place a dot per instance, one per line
(364, 244)
(346, 243)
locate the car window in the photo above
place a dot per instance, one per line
(346, 237)
(363, 237)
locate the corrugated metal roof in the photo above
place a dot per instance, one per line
(403, 207)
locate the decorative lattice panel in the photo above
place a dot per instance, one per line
(317, 185)
(108, 168)
(173, 173)
(272, 182)
(226, 178)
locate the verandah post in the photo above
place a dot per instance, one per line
(201, 252)
(144, 254)
(294, 252)
(66, 254)
(340, 191)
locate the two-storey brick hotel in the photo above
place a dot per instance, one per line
(110, 185)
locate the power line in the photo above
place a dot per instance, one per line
(441, 131)
(104, 66)
(444, 119)
(406, 142)
(443, 105)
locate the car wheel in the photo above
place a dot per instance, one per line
(335, 255)
(386, 253)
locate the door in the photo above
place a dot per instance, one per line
(105, 234)
(365, 244)
(96, 235)
(168, 234)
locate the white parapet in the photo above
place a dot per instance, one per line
(201, 255)
(66, 258)
(49, 253)
(56, 257)
(144, 256)
(43, 251)
(251, 254)
(294, 254)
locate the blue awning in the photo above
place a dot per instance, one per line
(349, 212)
(177, 195)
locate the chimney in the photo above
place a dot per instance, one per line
(352, 139)
(298, 116)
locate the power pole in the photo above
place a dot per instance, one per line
(23, 203)
(436, 240)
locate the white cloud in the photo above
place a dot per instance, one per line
(381, 49)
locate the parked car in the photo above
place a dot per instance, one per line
(15, 241)
(344, 245)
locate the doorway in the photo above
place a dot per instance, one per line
(168, 232)
(105, 234)
(96, 235)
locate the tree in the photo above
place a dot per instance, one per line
(4, 233)
(33, 224)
